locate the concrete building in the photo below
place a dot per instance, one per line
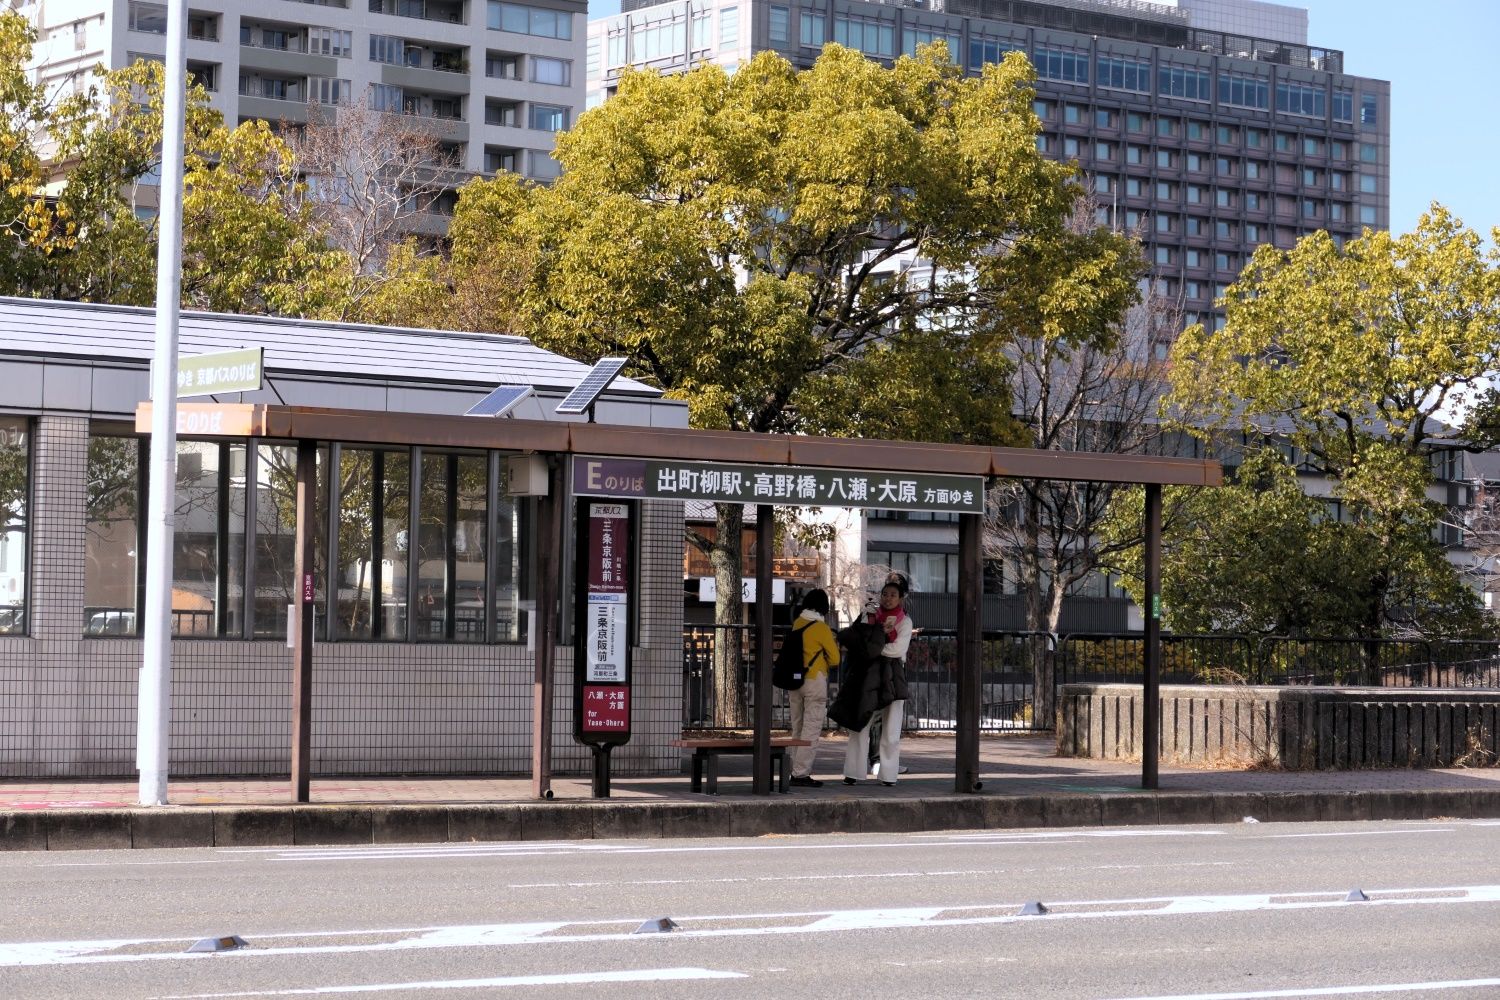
(423, 644)
(494, 80)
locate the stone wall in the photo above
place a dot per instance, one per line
(1295, 728)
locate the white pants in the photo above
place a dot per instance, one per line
(809, 708)
(857, 756)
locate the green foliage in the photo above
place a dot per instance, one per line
(740, 238)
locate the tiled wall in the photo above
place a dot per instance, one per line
(68, 704)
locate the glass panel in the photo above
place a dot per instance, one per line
(356, 536)
(233, 613)
(275, 537)
(468, 542)
(14, 493)
(395, 505)
(432, 550)
(112, 512)
(195, 539)
(508, 624)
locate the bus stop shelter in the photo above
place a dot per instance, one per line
(559, 444)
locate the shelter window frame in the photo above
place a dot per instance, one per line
(16, 481)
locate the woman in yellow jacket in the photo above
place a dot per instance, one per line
(809, 703)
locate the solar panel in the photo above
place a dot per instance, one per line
(499, 402)
(595, 382)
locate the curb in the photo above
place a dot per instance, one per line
(348, 825)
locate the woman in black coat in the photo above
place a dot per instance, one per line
(875, 684)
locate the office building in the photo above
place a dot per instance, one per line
(493, 80)
(1209, 128)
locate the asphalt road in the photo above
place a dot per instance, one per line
(1249, 910)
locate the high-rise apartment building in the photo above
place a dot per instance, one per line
(493, 80)
(1209, 127)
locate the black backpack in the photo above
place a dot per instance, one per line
(788, 669)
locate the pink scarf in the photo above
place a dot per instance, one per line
(890, 621)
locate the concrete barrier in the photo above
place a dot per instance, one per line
(1292, 728)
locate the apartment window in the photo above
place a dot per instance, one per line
(1166, 159)
(1253, 233)
(498, 160)
(1132, 219)
(1124, 74)
(1197, 163)
(1224, 166)
(543, 166)
(1104, 151)
(548, 118)
(1368, 109)
(875, 38)
(1197, 129)
(1368, 153)
(1338, 180)
(1193, 257)
(1310, 209)
(1044, 143)
(1224, 261)
(385, 97)
(1166, 223)
(1312, 146)
(1136, 122)
(150, 18)
(524, 20)
(1134, 187)
(1166, 191)
(1223, 197)
(1073, 114)
(1196, 225)
(80, 39)
(1255, 170)
(1042, 109)
(505, 114)
(1300, 99)
(1195, 194)
(1337, 211)
(502, 66)
(1105, 118)
(1136, 154)
(781, 25)
(326, 90)
(1166, 255)
(1312, 177)
(1070, 146)
(553, 72)
(1255, 138)
(15, 505)
(814, 29)
(1188, 84)
(1343, 105)
(1225, 230)
(729, 27)
(1228, 135)
(1192, 289)
(1368, 184)
(330, 42)
(1253, 201)
(701, 30)
(201, 27)
(387, 49)
(1104, 184)
(1166, 127)
(1367, 214)
(1062, 64)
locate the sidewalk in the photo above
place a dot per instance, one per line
(1024, 785)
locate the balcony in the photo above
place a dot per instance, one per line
(450, 11)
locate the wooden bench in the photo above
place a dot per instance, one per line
(707, 751)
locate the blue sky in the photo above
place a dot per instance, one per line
(1440, 57)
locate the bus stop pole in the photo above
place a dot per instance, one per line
(765, 538)
(544, 627)
(1151, 709)
(970, 652)
(302, 623)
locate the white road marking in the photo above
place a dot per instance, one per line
(1360, 833)
(554, 979)
(1334, 991)
(857, 876)
(740, 925)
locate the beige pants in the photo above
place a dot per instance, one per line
(809, 706)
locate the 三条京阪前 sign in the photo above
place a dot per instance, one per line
(776, 484)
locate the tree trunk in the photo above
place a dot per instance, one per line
(729, 610)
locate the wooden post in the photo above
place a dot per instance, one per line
(1151, 709)
(970, 651)
(302, 625)
(765, 538)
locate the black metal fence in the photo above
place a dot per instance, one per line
(1011, 662)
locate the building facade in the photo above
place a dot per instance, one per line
(423, 658)
(493, 80)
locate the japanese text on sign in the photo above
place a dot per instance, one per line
(778, 485)
(606, 709)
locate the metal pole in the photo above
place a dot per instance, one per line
(970, 649)
(1151, 709)
(544, 626)
(302, 624)
(153, 717)
(765, 538)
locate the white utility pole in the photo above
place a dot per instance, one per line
(155, 702)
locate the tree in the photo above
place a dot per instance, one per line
(1088, 382)
(1350, 359)
(248, 245)
(371, 178)
(790, 251)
